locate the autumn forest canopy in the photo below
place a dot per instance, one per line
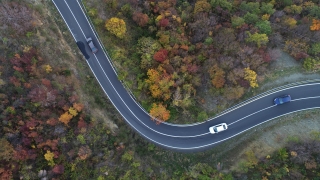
(180, 50)
(184, 61)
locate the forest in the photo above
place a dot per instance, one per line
(178, 51)
(54, 115)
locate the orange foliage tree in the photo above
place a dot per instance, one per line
(65, 118)
(159, 112)
(159, 82)
(315, 25)
(218, 76)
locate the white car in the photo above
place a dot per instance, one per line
(218, 128)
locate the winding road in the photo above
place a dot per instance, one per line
(183, 138)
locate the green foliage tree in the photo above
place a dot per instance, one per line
(315, 48)
(267, 8)
(6, 150)
(285, 2)
(252, 7)
(264, 27)
(311, 64)
(293, 9)
(237, 21)
(208, 41)
(146, 47)
(250, 18)
(224, 4)
(259, 39)
(283, 154)
(126, 10)
(315, 11)
(202, 116)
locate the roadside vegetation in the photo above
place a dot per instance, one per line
(56, 122)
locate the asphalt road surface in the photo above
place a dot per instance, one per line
(185, 138)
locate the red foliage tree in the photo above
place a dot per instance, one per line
(58, 169)
(140, 18)
(161, 55)
(193, 68)
(25, 61)
(164, 22)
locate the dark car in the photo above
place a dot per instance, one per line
(282, 99)
(91, 45)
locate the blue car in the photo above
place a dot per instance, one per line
(282, 100)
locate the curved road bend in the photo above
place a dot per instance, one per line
(189, 138)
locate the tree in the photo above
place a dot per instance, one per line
(224, 4)
(73, 111)
(315, 49)
(161, 55)
(116, 26)
(78, 106)
(250, 18)
(311, 64)
(48, 68)
(163, 22)
(201, 6)
(291, 22)
(49, 157)
(234, 93)
(259, 39)
(264, 27)
(267, 8)
(315, 11)
(252, 7)
(159, 83)
(147, 47)
(237, 21)
(65, 118)
(315, 25)
(296, 48)
(251, 76)
(293, 9)
(217, 75)
(140, 18)
(159, 112)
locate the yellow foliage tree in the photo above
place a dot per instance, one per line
(265, 17)
(117, 27)
(73, 111)
(48, 68)
(159, 112)
(49, 157)
(201, 6)
(315, 25)
(291, 22)
(65, 118)
(251, 76)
